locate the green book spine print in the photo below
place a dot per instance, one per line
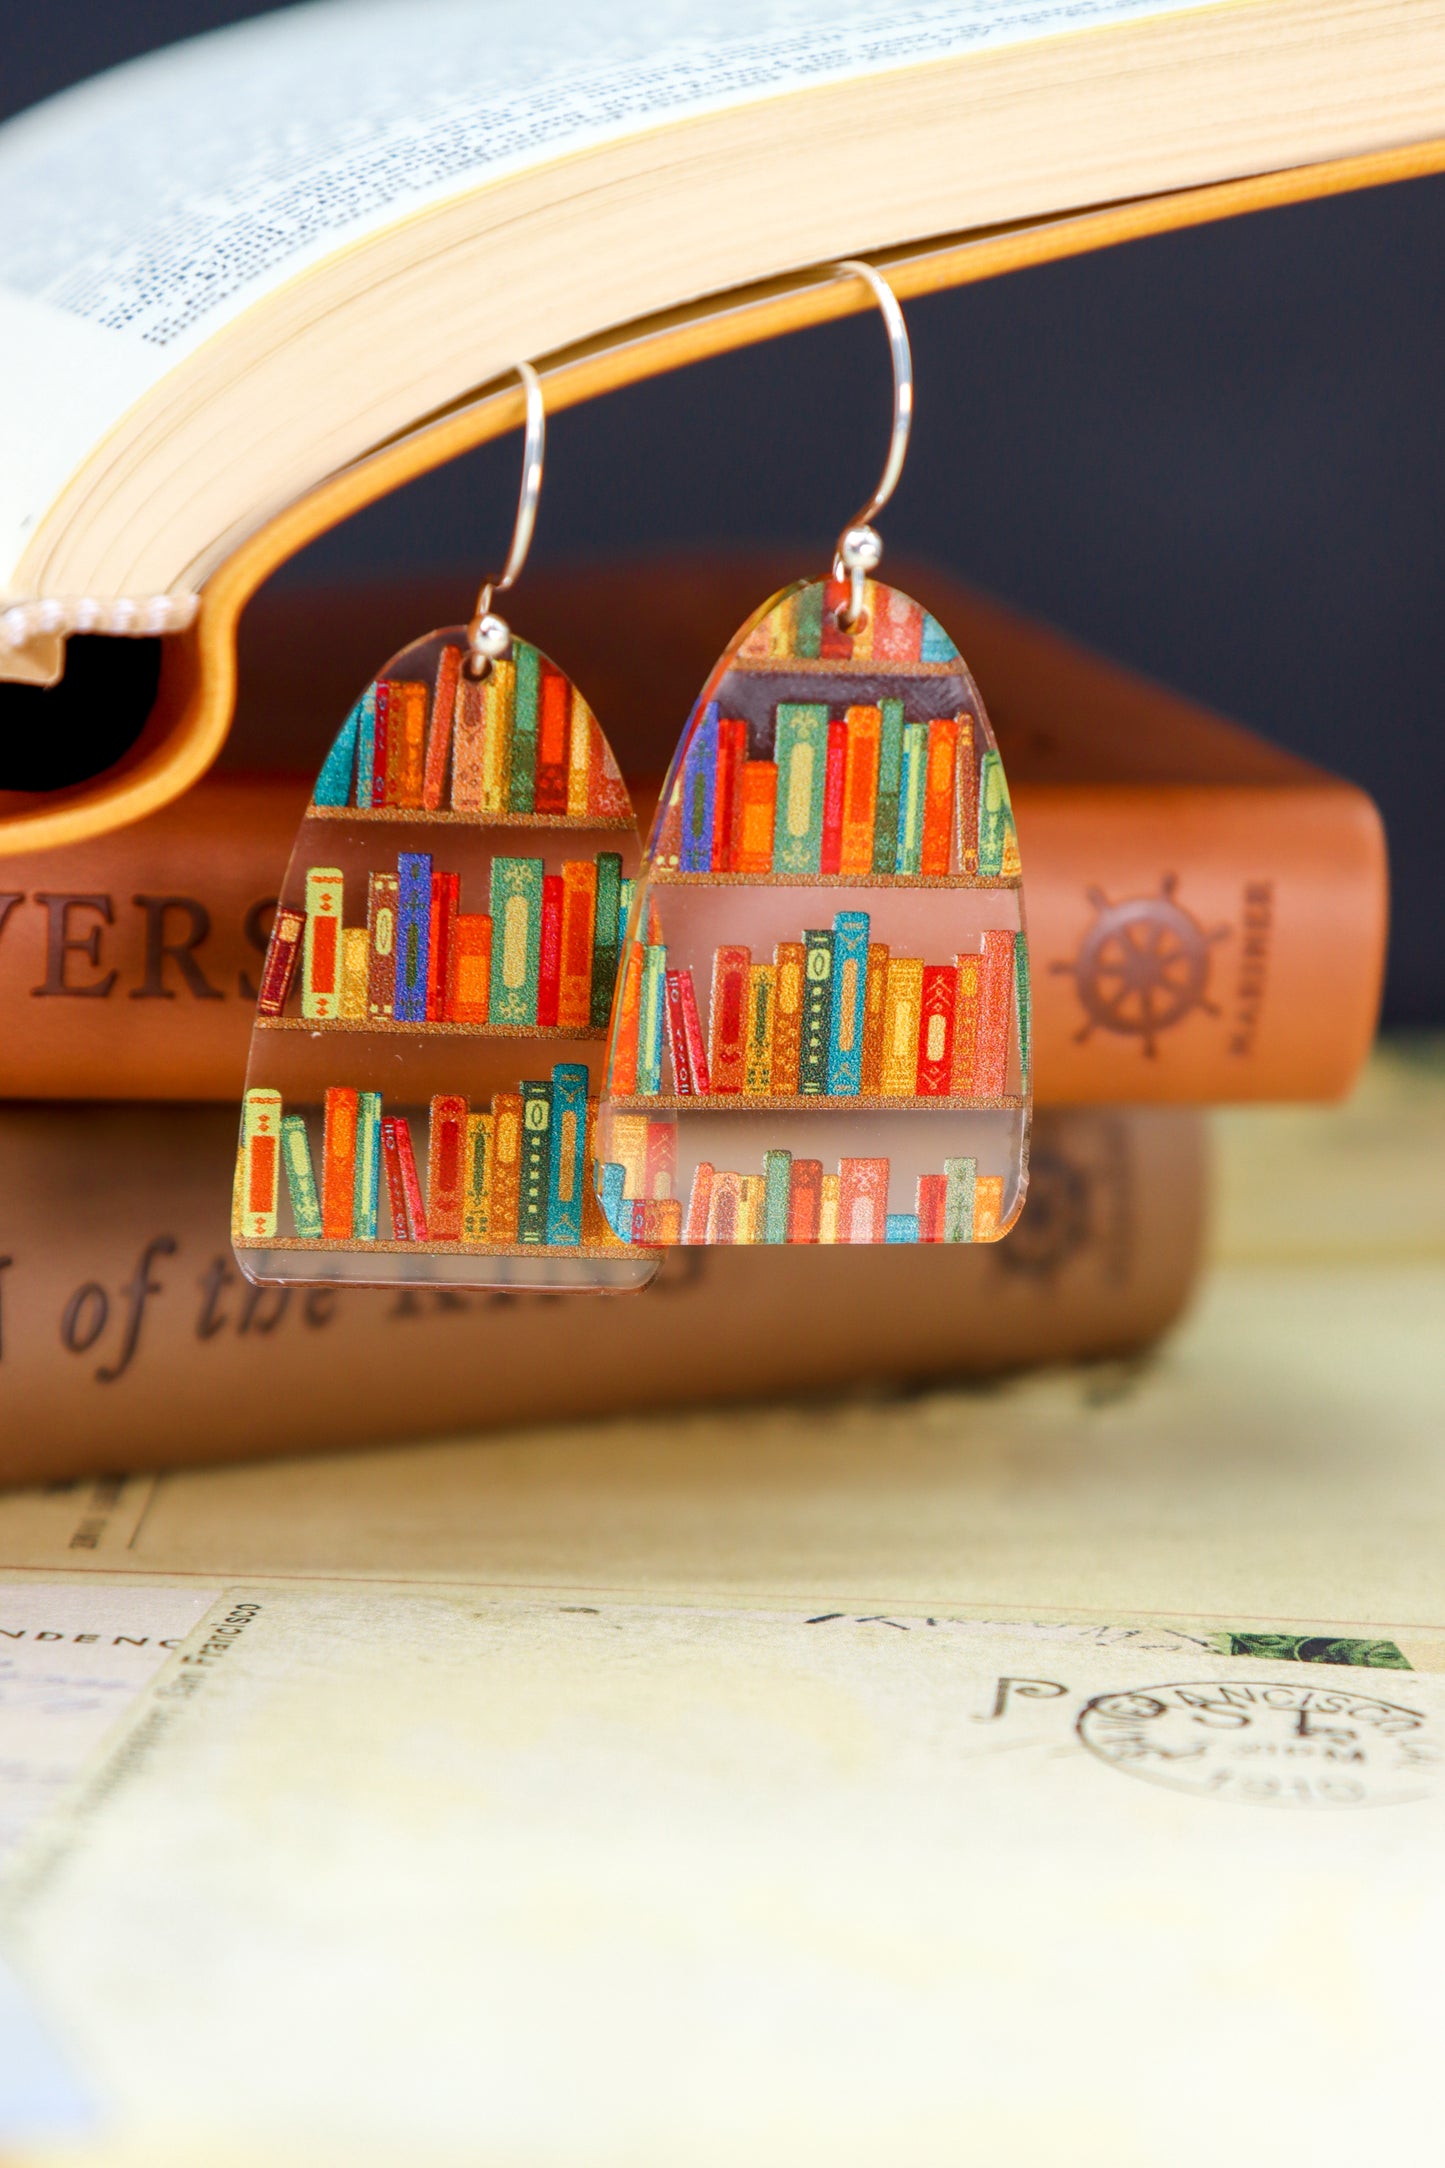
(800, 748)
(777, 1193)
(605, 941)
(366, 1195)
(300, 1177)
(808, 623)
(522, 784)
(994, 815)
(1024, 1000)
(817, 1012)
(516, 896)
(910, 798)
(959, 1176)
(536, 1160)
(890, 779)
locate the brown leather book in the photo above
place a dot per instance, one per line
(1206, 913)
(130, 1340)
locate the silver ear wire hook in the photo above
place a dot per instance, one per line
(860, 547)
(489, 636)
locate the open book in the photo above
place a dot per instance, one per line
(254, 280)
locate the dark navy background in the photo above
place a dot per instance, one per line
(1218, 455)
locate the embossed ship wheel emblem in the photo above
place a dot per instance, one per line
(1142, 965)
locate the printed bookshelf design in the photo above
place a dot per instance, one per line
(860, 766)
(410, 960)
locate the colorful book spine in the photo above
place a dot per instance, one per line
(594, 1221)
(446, 1168)
(807, 616)
(835, 643)
(334, 784)
(300, 1177)
(828, 1210)
(801, 750)
(677, 1042)
(365, 747)
(860, 792)
(622, 1075)
(628, 1147)
(900, 1027)
(753, 837)
(994, 817)
(817, 1012)
(398, 1221)
(554, 723)
(900, 1227)
(758, 1057)
(699, 1202)
(321, 956)
(732, 753)
(966, 794)
(366, 1196)
(476, 1200)
(968, 971)
(862, 1200)
(723, 1208)
(693, 1036)
(1023, 1003)
(777, 1193)
(750, 1208)
(522, 754)
(932, 1207)
(469, 741)
(699, 793)
(416, 1217)
(582, 736)
(338, 1163)
(413, 935)
(612, 1188)
(934, 644)
(506, 1184)
(606, 940)
(659, 1173)
(283, 952)
(441, 988)
(727, 1019)
(911, 789)
(516, 897)
(652, 1021)
(499, 701)
(258, 1167)
(830, 849)
(875, 1015)
(579, 920)
(987, 1207)
(846, 1019)
(890, 784)
(381, 747)
(473, 981)
(938, 798)
(897, 626)
(355, 973)
(626, 890)
(549, 957)
(566, 1173)
(439, 729)
(408, 724)
(790, 980)
(937, 1003)
(805, 1203)
(995, 1014)
(381, 908)
(960, 1179)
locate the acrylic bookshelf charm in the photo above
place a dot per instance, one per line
(420, 1098)
(821, 1032)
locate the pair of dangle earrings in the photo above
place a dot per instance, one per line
(498, 1045)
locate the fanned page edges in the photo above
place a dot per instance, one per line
(821, 1026)
(420, 1098)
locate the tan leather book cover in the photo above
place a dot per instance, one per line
(1206, 913)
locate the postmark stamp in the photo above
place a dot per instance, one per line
(1277, 1744)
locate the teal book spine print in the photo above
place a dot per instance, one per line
(802, 758)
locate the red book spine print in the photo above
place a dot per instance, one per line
(439, 734)
(579, 918)
(554, 716)
(441, 985)
(805, 1200)
(995, 1014)
(932, 1199)
(660, 1167)
(623, 1080)
(446, 1167)
(836, 645)
(410, 1187)
(832, 853)
(727, 1019)
(897, 627)
(549, 969)
(282, 955)
(382, 759)
(338, 1163)
(395, 1182)
(732, 752)
(935, 1029)
(862, 1200)
(692, 1030)
(938, 797)
(699, 1203)
(677, 1038)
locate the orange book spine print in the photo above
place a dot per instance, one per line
(965, 759)
(355, 972)
(875, 1012)
(579, 911)
(699, 1202)
(554, 723)
(830, 854)
(995, 1014)
(750, 1208)
(446, 1167)
(900, 1027)
(439, 732)
(469, 741)
(965, 1026)
(473, 973)
(594, 1220)
(987, 1207)
(662, 1222)
(623, 1080)
(757, 812)
(828, 1210)
(506, 1166)
(789, 960)
(935, 1029)
(863, 1200)
(727, 1019)
(499, 701)
(860, 791)
(338, 1163)
(805, 1200)
(938, 817)
(581, 730)
(409, 741)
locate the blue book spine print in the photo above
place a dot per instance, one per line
(777, 1193)
(699, 794)
(910, 798)
(612, 1190)
(300, 1177)
(935, 645)
(333, 785)
(413, 935)
(850, 987)
(569, 1137)
(367, 1194)
(652, 1021)
(365, 745)
(901, 1227)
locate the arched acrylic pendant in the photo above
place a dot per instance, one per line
(821, 1032)
(420, 1096)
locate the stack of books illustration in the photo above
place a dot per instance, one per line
(822, 1030)
(462, 881)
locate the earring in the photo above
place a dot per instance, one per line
(821, 1032)
(419, 1103)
